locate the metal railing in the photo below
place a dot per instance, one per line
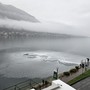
(28, 84)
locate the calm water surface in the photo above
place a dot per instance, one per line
(14, 64)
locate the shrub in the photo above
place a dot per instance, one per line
(77, 67)
(74, 70)
(66, 73)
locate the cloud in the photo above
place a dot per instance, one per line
(44, 27)
(66, 11)
(73, 16)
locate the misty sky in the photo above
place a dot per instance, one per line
(74, 13)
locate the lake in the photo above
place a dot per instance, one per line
(37, 58)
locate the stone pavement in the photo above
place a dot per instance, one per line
(80, 71)
(83, 84)
(68, 78)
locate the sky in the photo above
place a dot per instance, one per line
(75, 13)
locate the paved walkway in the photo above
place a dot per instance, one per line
(83, 84)
(68, 78)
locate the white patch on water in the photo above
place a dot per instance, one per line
(37, 63)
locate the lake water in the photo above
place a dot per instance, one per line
(37, 58)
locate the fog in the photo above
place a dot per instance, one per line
(73, 16)
(52, 27)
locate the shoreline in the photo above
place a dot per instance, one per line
(66, 79)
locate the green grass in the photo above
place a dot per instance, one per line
(79, 78)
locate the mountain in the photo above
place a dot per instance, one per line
(11, 12)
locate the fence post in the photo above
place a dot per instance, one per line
(30, 84)
(15, 87)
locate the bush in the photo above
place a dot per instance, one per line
(74, 70)
(66, 73)
(77, 67)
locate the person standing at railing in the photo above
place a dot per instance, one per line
(88, 61)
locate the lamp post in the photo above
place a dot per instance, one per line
(82, 65)
(57, 72)
(88, 61)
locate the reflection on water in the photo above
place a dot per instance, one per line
(77, 46)
(10, 54)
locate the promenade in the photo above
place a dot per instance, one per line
(68, 78)
(81, 85)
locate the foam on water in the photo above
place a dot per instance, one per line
(37, 63)
(64, 62)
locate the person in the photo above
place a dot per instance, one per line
(83, 65)
(43, 82)
(80, 65)
(87, 61)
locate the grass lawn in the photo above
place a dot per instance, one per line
(79, 78)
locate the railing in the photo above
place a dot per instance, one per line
(28, 84)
